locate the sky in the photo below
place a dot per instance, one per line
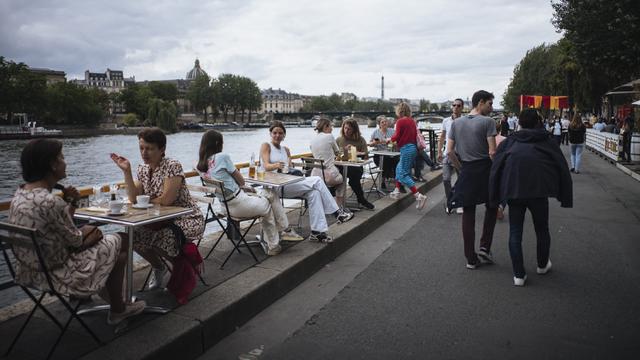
(426, 49)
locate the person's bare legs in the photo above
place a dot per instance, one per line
(115, 280)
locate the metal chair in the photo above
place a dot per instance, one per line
(15, 236)
(233, 222)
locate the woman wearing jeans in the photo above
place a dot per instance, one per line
(577, 132)
(527, 169)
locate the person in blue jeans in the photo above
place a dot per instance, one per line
(527, 169)
(577, 132)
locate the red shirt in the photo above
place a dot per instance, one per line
(406, 132)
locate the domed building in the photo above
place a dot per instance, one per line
(195, 72)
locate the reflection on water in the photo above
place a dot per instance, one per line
(88, 159)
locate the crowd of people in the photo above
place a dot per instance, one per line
(522, 173)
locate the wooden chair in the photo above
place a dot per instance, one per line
(15, 236)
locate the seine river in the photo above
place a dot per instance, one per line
(88, 161)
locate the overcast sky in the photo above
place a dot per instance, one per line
(432, 49)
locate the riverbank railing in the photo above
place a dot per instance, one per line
(86, 191)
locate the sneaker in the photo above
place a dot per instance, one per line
(572, 170)
(366, 204)
(129, 311)
(485, 256)
(436, 167)
(290, 235)
(395, 193)
(157, 275)
(500, 215)
(403, 190)
(519, 281)
(447, 209)
(321, 237)
(343, 217)
(421, 201)
(459, 211)
(474, 265)
(545, 269)
(577, 172)
(383, 186)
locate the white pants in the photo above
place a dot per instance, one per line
(318, 197)
(332, 177)
(266, 204)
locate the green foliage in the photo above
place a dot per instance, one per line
(21, 91)
(237, 93)
(162, 114)
(136, 99)
(68, 103)
(602, 39)
(334, 103)
(164, 91)
(424, 105)
(130, 120)
(200, 94)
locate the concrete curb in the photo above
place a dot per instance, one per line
(191, 329)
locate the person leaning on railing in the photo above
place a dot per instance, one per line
(82, 261)
(163, 180)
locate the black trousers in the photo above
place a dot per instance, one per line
(354, 175)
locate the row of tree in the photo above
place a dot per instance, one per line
(599, 51)
(226, 94)
(23, 91)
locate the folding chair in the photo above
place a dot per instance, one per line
(233, 222)
(375, 172)
(16, 236)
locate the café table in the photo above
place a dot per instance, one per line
(345, 165)
(383, 154)
(272, 180)
(131, 219)
(433, 142)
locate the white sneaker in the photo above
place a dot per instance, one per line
(459, 211)
(519, 281)
(545, 269)
(395, 193)
(290, 235)
(421, 201)
(157, 275)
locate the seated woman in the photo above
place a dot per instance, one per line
(83, 261)
(324, 147)
(350, 136)
(162, 179)
(274, 156)
(214, 164)
(380, 138)
(422, 158)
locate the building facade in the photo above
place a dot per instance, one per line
(279, 101)
(51, 76)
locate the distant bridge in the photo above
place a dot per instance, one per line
(367, 114)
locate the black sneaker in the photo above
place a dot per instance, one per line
(366, 204)
(322, 237)
(343, 217)
(447, 209)
(485, 256)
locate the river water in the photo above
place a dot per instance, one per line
(88, 161)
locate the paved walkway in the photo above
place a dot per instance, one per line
(417, 300)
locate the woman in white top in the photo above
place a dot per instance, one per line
(274, 156)
(324, 147)
(242, 200)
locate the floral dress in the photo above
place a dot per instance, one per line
(79, 273)
(192, 225)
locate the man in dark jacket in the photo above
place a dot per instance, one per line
(527, 169)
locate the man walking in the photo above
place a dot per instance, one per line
(447, 167)
(472, 138)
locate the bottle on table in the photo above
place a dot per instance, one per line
(252, 166)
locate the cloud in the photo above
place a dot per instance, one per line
(426, 49)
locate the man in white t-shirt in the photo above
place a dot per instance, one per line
(513, 123)
(447, 167)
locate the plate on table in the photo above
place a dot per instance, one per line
(116, 214)
(139, 206)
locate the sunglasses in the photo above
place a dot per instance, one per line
(457, 105)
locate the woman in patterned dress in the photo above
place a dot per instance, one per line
(82, 261)
(163, 180)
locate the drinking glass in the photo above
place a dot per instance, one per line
(96, 197)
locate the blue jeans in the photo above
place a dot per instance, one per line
(576, 155)
(539, 208)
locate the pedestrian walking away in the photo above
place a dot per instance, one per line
(470, 147)
(447, 166)
(577, 133)
(528, 168)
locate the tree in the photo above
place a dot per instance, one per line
(424, 105)
(223, 93)
(164, 91)
(68, 103)
(200, 94)
(21, 91)
(603, 37)
(136, 100)
(130, 120)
